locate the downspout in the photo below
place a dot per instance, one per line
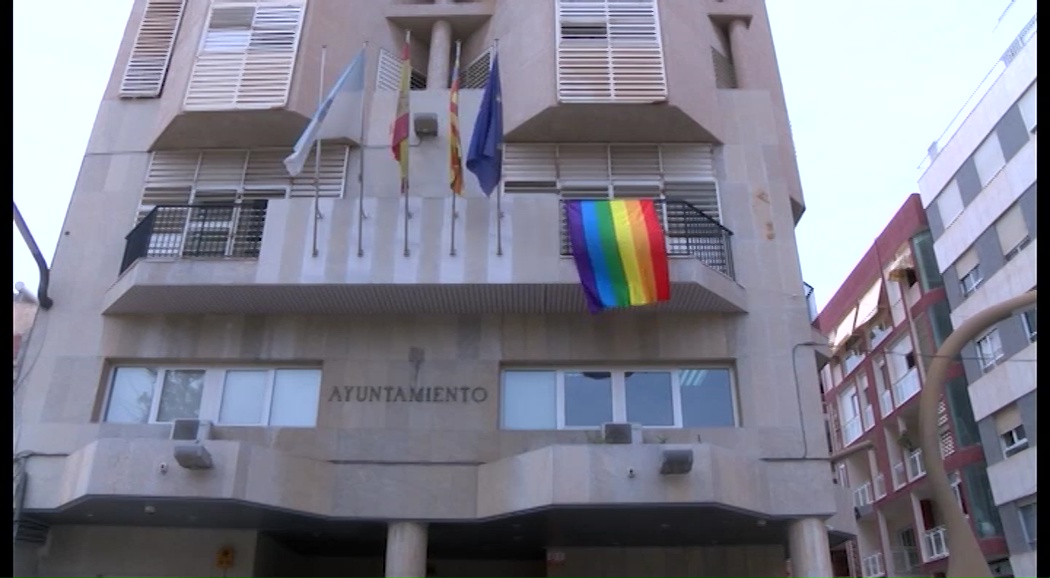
(41, 263)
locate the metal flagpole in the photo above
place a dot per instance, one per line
(404, 178)
(361, 168)
(317, 151)
(452, 250)
(499, 189)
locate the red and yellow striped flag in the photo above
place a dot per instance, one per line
(455, 149)
(399, 142)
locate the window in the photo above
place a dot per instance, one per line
(926, 261)
(990, 349)
(1027, 106)
(148, 63)
(249, 396)
(572, 399)
(246, 55)
(988, 159)
(1012, 232)
(149, 395)
(956, 484)
(1028, 522)
(610, 51)
(1028, 318)
(1014, 441)
(968, 270)
(282, 397)
(949, 204)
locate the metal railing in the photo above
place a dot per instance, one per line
(916, 467)
(862, 495)
(1019, 42)
(935, 544)
(900, 476)
(872, 566)
(906, 387)
(688, 232)
(905, 560)
(879, 483)
(227, 230)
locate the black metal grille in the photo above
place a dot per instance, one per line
(688, 231)
(224, 230)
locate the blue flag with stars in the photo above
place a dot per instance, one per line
(485, 156)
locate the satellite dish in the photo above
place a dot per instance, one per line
(20, 286)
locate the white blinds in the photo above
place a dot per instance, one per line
(148, 63)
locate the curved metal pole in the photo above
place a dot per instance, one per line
(965, 558)
(41, 263)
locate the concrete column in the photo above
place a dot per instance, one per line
(440, 52)
(809, 548)
(738, 46)
(406, 550)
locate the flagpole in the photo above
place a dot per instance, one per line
(361, 167)
(404, 181)
(317, 152)
(499, 189)
(452, 250)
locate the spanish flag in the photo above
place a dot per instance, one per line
(455, 154)
(399, 142)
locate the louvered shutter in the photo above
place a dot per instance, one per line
(530, 168)
(148, 63)
(388, 74)
(610, 51)
(689, 174)
(634, 171)
(247, 55)
(476, 74)
(331, 177)
(583, 170)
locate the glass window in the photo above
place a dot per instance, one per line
(529, 400)
(180, 397)
(971, 281)
(1028, 522)
(926, 261)
(1027, 106)
(588, 398)
(649, 398)
(1029, 320)
(990, 349)
(296, 393)
(244, 398)
(131, 395)
(1014, 441)
(707, 398)
(988, 158)
(949, 204)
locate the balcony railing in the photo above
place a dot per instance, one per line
(906, 387)
(879, 483)
(230, 231)
(872, 566)
(905, 561)
(851, 430)
(886, 402)
(899, 476)
(916, 467)
(935, 544)
(689, 232)
(862, 495)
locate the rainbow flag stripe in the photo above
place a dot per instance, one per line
(618, 246)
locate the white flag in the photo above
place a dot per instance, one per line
(337, 109)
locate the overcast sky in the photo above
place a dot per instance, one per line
(870, 84)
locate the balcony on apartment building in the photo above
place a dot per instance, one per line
(255, 256)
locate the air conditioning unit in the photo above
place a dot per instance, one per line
(190, 430)
(622, 433)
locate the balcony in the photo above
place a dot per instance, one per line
(906, 387)
(915, 465)
(900, 477)
(872, 566)
(880, 486)
(906, 561)
(862, 495)
(935, 544)
(256, 258)
(885, 402)
(851, 430)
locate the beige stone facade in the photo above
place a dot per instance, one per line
(382, 404)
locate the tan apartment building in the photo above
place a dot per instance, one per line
(253, 374)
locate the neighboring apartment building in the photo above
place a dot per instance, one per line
(884, 324)
(366, 401)
(979, 191)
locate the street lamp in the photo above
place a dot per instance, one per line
(966, 558)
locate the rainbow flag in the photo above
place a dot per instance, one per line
(455, 155)
(618, 246)
(399, 141)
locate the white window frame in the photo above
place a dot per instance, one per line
(213, 389)
(991, 344)
(619, 392)
(1024, 525)
(1029, 331)
(1014, 441)
(971, 281)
